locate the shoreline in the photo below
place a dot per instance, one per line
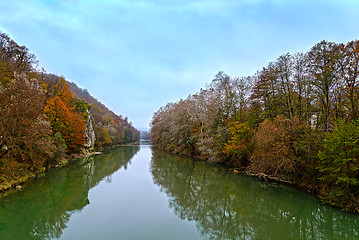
(267, 178)
(16, 183)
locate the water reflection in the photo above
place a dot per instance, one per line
(43, 208)
(227, 206)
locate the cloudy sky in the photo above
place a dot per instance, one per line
(137, 55)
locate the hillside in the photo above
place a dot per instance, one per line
(45, 120)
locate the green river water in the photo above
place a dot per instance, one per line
(139, 193)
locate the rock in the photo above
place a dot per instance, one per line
(89, 133)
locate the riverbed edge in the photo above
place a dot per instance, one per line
(235, 170)
(16, 183)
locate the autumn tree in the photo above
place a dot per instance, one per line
(5, 74)
(24, 129)
(274, 152)
(238, 148)
(349, 73)
(17, 58)
(267, 94)
(69, 123)
(103, 139)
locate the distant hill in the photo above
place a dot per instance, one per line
(145, 137)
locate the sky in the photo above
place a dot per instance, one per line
(136, 56)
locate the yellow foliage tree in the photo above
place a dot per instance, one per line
(238, 146)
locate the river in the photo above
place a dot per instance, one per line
(140, 193)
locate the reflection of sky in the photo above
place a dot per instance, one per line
(136, 56)
(129, 207)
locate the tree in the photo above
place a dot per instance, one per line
(238, 147)
(324, 60)
(5, 74)
(60, 147)
(103, 139)
(349, 73)
(284, 65)
(339, 166)
(17, 57)
(67, 115)
(267, 93)
(64, 120)
(302, 87)
(24, 130)
(274, 152)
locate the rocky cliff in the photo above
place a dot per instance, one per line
(90, 134)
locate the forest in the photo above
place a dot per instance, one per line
(294, 121)
(46, 120)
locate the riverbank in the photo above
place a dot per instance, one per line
(306, 185)
(17, 181)
(280, 123)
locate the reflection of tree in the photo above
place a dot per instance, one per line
(43, 208)
(227, 206)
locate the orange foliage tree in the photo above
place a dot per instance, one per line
(274, 152)
(67, 122)
(63, 116)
